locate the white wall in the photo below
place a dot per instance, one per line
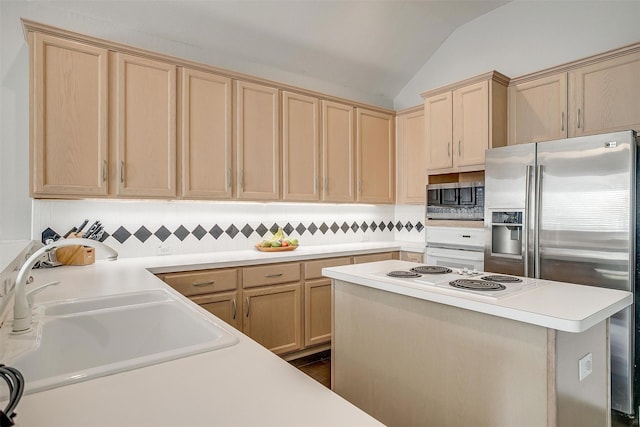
(526, 36)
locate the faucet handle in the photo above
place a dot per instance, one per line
(31, 292)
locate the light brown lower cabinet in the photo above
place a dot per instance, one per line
(272, 317)
(317, 312)
(225, 305)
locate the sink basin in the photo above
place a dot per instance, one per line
(89, 343)
(89, 304)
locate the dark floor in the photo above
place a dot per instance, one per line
(318, 367)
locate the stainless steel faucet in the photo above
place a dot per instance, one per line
(21, 308)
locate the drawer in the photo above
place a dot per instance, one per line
(359, 259)
(313, 269)
(270, 274)
(203, 282)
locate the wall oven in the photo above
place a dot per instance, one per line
(455, 247)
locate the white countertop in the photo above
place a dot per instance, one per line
(242, 385)
(562, 306)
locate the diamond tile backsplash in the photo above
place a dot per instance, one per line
(147, 228)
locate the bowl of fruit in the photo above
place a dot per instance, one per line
(279, 242)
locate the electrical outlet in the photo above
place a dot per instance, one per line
(585, 366)
(166, 250)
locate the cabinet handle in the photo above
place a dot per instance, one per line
(578, 119)
(104, 171)
(122, 171)
(449, 149)
(326, 184)
(203, 284)
(228, 178)
(459, 148)
(241, 180)
(246, 301)
(269, 276)
(562, 121)
(359, 186)
(317, 184)
(235, 308)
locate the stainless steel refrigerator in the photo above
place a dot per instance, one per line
(566, 210)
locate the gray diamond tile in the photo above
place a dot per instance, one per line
(121, 234)
(261, 230)
(364, 226)
(355, 227)
(324, 228)
(300, 229)
(335, 227)
(419, 226)
(216, 231)
(247, 230)
(142, 234)
(374, 226)
(181, 233)
(104, 237)
(162, 233)
(287, 229)
(199, 232)
(390, 226)
(382, 226)
(344, 227)
(312, 228)
(231, 231)
(398, 226)
(274, 228)
(408, 226)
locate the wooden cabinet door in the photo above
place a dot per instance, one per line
(257, 141)
(300, 147)
(273, 317)
(605, 96)
(225, 306)
(471, 124)
(205, 135)
(145, 94)
(538, 110)
(338, 158)
(438, 117)
(412, 158)
(317, 313)
(375, 157)
(69, 117)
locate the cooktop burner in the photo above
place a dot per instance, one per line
(431, 269)
(501, 279)
(477, 285)
(402, 273)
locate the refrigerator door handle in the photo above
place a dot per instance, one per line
(536, 229)
(527, 213)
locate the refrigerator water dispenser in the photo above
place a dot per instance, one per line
(506, 233)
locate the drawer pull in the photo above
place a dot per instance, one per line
(246, 300)
(235, 308)
(270, 276)
(201, 284)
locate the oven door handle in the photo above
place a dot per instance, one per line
(456, 247)
(455, 254)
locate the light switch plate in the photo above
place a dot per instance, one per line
(585, 366)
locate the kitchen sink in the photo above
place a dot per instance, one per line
(90, 304)
(86, 339)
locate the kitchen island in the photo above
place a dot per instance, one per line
(413, 354)
(240, 385)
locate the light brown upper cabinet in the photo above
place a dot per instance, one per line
(593, 95)
(145, 126)
(257, 137)
(463, 120)
(338, 152)
(605, 96)
(300, 147)
(69, 113)
(204, 129)
(538, 110)
(375, 164)
(411, 150)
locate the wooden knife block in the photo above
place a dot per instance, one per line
(76, 255)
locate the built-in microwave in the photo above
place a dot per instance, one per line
(455, 201)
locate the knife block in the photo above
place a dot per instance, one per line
(76, 255)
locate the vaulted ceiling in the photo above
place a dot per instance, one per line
(372, 47)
